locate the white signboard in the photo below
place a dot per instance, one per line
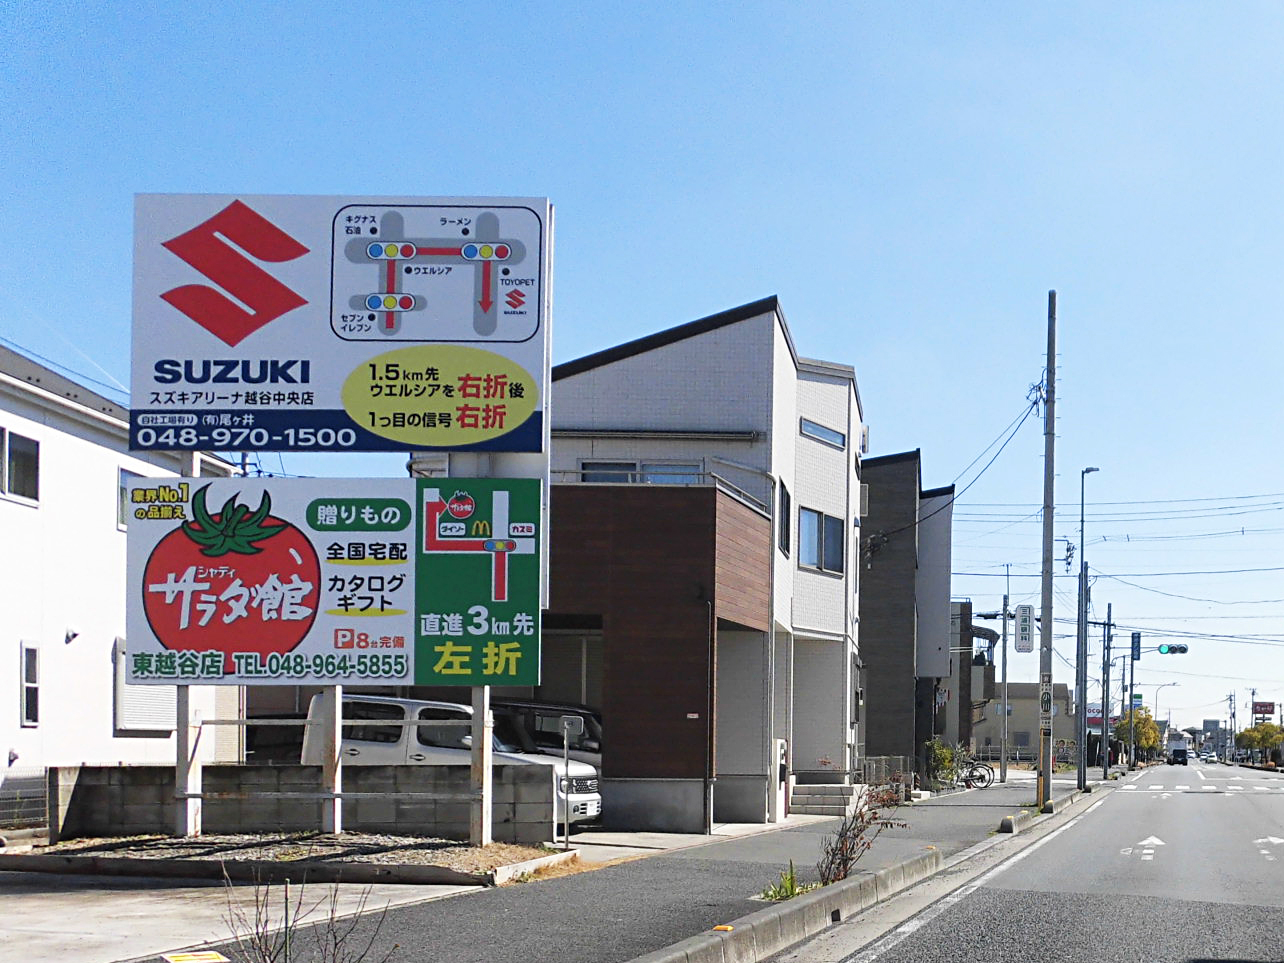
(334, 581)
(296, 323)
(1025, 628)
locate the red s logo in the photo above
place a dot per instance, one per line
(265, 296)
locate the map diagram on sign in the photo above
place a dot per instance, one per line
(440, 274)
(446, 525)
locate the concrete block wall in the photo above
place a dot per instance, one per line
(139, 800)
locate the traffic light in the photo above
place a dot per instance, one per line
(1171, 649)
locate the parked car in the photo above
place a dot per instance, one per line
(542, 723)
(367, 742)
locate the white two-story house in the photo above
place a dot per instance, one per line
(704, 532)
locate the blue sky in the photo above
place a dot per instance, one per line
(910, 180)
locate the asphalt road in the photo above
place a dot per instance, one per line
(1178, 863)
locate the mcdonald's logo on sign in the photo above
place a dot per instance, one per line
(481, 528)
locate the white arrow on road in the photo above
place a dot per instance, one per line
(1273, 840)
(1156, 841)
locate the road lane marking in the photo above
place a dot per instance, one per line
(1182, 787)
(909, 927)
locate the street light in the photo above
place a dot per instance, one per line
(1168, 724)
(1081, 648)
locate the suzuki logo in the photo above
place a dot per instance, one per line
(515, 299)
(205, 248)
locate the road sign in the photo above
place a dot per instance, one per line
(1025, 628)
(295, 323)
(1137, 698)
(324, 581)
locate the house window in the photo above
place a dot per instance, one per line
(607, 471)
(21, 465)
(821, 433)
(30, 695)
(1021, 740)
(786, 511)
(833, 548)
(648, 473)
(122, 497)
(670, 473)
(821, 544)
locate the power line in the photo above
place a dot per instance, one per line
(875, 541)
(1189, 598)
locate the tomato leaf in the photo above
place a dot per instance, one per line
(232, 531)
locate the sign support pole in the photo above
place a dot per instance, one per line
(187, 727)
(480, 816)
(331, 722)
(1132, 705)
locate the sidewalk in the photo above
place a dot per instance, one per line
(650, 891)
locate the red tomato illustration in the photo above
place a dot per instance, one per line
(235, 581)
(461, 505)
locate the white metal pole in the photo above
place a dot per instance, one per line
(480, 818)
(330, 718)
(187, 727)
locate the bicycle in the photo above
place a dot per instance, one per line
(974, 774)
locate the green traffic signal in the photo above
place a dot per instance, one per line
(1167, 649)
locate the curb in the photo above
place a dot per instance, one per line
(506, 874)
(251, 870)
(769, 931)
(1018, 821)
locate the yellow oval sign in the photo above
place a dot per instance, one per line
(440, 396)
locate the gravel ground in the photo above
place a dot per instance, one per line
(285, 847)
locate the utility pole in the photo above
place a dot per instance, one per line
(1045, 627)
(1081, 649)
(1105, 695)
(1003, 724)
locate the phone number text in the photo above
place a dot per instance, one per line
(329, 666)
(230, 439)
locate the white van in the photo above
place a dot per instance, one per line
(367, 743)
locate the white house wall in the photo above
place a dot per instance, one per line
(784, 432)
(823, 481)
(63, 568)
(710, 381)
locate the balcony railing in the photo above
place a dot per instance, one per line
(657, 476)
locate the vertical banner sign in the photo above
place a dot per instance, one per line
(1025, 628)
(1045, 703)
(294, 323)
(478, 577)
(1136, 646)
(334, 581)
